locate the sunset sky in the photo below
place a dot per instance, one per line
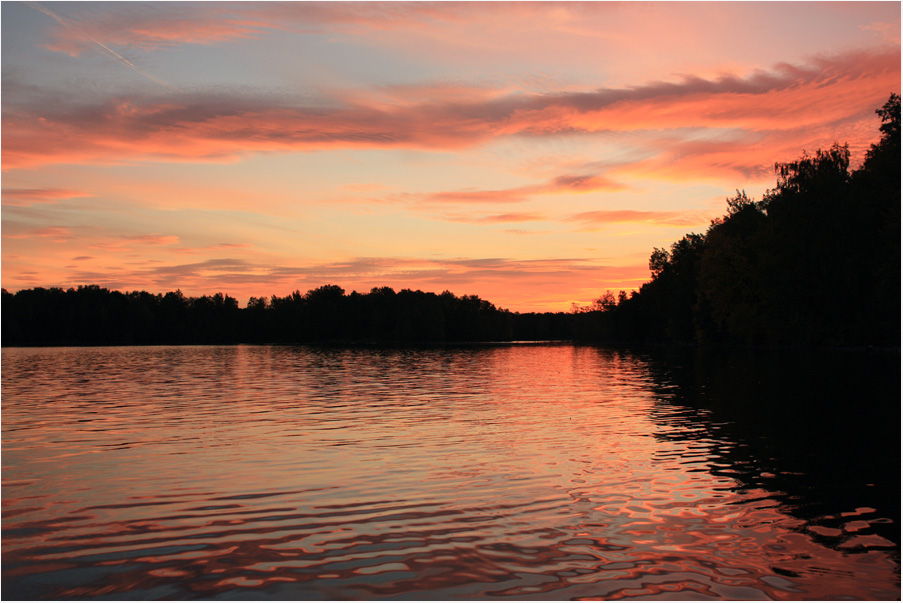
(529, 153)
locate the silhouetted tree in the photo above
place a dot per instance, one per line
(91, 315)
(815, 262)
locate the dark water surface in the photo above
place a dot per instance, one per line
(521, 471)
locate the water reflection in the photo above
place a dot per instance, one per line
(818, 429)
(513, 471)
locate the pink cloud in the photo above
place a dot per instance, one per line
(472, 30)
(889, 33)
(725, 127)
(495, 218)
(513, 195)
(151, 239)
(521, 231)
(30, 196)
(844, 89)
(120, 244)
(149, 27)
(57, 234)
(661, 218)
(568, 183)
(213, 248)
(746, 156)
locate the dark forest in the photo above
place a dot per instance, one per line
(815, 262)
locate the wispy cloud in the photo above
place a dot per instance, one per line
(149, 27)
(119, 244)
(56, 234)
(31, 196)
(568, 183)
(151, 239)
(213, 248)
(204, 127)
(521, 231)
(662, 218)
(887, 32)
(80, 33)
(200, 268)
(494, 218)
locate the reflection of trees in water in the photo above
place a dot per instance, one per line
(817, 429)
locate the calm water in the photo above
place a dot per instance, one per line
(522, 471)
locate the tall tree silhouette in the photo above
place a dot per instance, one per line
(815, 262)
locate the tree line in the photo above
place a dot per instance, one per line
(93, 315)
(816, 261)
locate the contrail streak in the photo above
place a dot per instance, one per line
(115, 54)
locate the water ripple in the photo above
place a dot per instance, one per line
(519, 471)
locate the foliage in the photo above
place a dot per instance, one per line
(815, 262)
(91, 315)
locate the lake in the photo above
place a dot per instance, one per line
(526, 471)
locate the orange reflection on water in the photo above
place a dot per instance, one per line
(517, 471)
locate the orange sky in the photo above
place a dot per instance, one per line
(529, 153)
